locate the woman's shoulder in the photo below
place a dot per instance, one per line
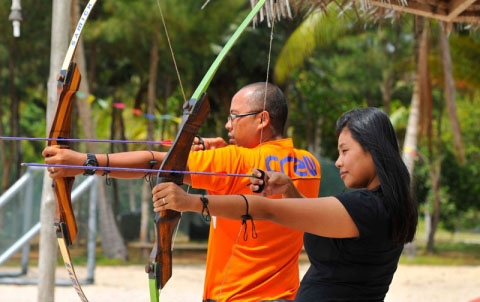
(362, 198)
(360, 193)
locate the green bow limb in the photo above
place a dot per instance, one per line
(159, 268)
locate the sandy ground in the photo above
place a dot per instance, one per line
(129, 283)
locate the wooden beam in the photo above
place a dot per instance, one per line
(416, 8)
(457, 7)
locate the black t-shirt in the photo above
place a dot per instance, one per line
(357, 269)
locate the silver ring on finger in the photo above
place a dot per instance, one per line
(164, 202)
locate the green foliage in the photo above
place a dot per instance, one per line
(460, 188)
(351, 71)
(465, 48)
(125, 32)
(329, 65)
(461, 181)
(319, 28)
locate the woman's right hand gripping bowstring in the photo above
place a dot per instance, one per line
(269, 183)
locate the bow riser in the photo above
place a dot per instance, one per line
(67, 85)
(176, 159)
(69, 81)
(166, 221)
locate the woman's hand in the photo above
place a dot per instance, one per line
(57, 156)
(275, 183)
(171, 196)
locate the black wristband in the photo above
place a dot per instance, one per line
(90, 162)
(205, 211)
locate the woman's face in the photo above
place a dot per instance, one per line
(356, 165)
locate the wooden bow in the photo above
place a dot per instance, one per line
(159, 268)
(67, 86)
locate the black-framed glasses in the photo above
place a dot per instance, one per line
(231, 116)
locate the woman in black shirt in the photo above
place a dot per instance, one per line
(354, 239)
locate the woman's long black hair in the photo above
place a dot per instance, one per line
(372, 129)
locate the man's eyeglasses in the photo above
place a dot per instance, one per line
(231, 116)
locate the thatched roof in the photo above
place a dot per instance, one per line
(451, 11)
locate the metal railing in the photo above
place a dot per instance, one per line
(25, 185)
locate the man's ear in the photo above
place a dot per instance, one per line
(265, 118)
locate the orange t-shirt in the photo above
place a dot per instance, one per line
(265, 268)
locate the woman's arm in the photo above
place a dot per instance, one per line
(321, 216)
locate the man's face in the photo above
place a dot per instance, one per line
(244, 130)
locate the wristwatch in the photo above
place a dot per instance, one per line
(90, 162)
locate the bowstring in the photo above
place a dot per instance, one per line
(171, 50)
(269, 57)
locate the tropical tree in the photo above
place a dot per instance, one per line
(339, 62)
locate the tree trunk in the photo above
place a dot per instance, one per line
(112, 241)
(3, 153)
(410, 147)
(14, 118)
(435, 168)
(410, 144)
(387, 90)
(14, 147)
(450, 93)
(48, 245)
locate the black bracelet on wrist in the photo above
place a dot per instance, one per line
(244, 222)
(148, 176)
(205, 211)
(108, 180)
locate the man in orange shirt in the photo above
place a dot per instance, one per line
(242, 264)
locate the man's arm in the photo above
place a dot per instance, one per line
(133, 159)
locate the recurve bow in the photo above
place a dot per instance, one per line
(67, 86)
(159, 268)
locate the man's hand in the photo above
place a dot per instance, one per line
(207, 143)
(275, 183)
(57, 156)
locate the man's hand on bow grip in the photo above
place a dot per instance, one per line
(54, 155)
